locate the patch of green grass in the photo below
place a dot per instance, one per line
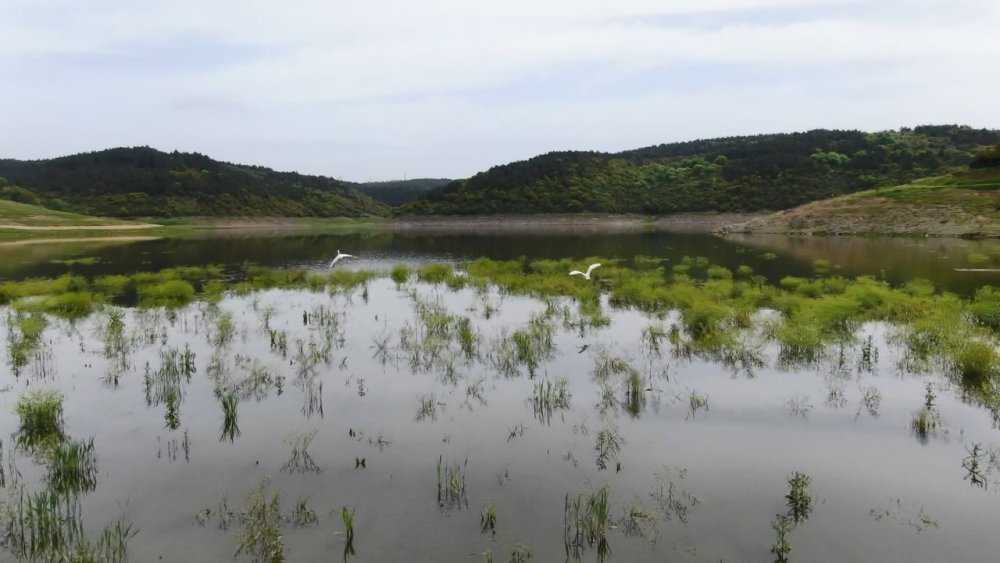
(41, 414)
(172, 293)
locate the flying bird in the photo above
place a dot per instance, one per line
(338, 257)
(587, 274)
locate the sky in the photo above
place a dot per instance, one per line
(391, 89)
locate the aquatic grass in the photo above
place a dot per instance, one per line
(400, 274)
(72, 467)
(230, 426)
(43, 525)
(261, 536)
(24, 339)
(347, 517)
(41, 419)
(451, 484)
(548, 397)
(668, 493)
(977, 363)
(608, 443)
(300, 461)
(435, 273)
(172, 293)
(302, 515)
(696, 402)
(467, 337)
(70, 305)
(586, 522)
(488, 518)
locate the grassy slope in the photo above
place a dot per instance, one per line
(13, 214)
(965, 203)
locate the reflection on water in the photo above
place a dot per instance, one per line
(774, 256)
(443, 424)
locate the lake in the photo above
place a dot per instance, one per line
(471, 422)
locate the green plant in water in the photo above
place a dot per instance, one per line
(782, 546)
(300, 461)
(261, 536)
(41, 413)
(696, 402)
(488, 518)
(609, 442)
(302, 514)
(72, 467)
(400, 274)
(451, 484)
(798, 497)
(230, 428)
(48, 526)
(586, 521)
(548, 397)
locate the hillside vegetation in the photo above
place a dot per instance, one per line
(729, 174)
(961, 204)
(398, 192)
(145, 182)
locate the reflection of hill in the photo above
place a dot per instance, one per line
(900, 258)
(16, 255)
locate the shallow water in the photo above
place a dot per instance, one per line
(711, 479)
(896, 260)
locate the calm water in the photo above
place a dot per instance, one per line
(774, 256)
(384, 386)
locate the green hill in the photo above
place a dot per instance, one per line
(965, 203)
(750, 173)
(398, 192)
(145, 182)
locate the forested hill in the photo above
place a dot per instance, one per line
(728, 174)
(145, 182)
(398, 192)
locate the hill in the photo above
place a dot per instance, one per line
(961, 204)
(145, 182)
(750, 173)
(398, 192)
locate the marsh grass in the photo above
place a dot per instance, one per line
(230, 426)
(24, 339)
(451, 484)
(549, 397)
(48, 526)
(488, 519)
(586, 522)
(41, 419)
(302, 514)
(608, 443)
(72, 467)
(261, 534)
(696, 403)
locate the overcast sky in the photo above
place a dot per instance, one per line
(382, 89)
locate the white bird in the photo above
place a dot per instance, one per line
(587, 274)
(339, 256)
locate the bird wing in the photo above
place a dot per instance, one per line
(592, 266)
(576, 273)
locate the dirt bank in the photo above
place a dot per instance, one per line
(871, 216)
(582, 223)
